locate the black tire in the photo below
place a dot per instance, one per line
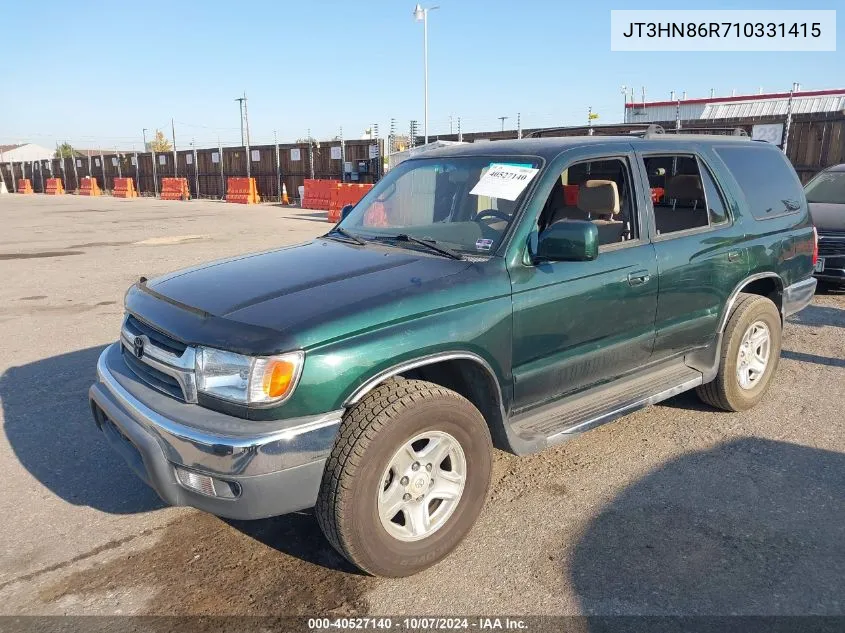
(725, 391)
(369, 436)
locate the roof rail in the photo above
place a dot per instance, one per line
(713, 131)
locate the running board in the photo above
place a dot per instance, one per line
(555, 422)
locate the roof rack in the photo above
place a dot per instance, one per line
(655, 130)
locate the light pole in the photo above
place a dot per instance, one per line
(624, 90)
(242, 102)
(421, 15)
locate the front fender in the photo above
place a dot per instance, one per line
(334, 372)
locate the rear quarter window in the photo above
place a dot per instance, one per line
(769, 183)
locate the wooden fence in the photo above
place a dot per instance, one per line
(207, 170)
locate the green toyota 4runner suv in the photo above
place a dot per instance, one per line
(510, 294)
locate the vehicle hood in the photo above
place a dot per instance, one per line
(269, 299)
(828, 216)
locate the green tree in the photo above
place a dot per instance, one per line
(160, 143)
(64, 151)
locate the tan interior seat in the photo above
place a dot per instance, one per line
(598, 201)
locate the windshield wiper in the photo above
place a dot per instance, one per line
(349, 236)
(431, 244)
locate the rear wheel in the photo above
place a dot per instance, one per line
(750, 354)
(406, 479)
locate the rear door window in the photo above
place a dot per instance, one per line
(767, 180)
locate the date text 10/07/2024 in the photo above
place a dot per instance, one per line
(419, 623)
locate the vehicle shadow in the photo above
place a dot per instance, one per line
(48, 424)
(753, 527)
(297, 535)
(817, 316)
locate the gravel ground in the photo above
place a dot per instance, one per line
(677, 509)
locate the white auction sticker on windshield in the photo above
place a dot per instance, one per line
(504, 181)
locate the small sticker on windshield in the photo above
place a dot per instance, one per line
(483, 245)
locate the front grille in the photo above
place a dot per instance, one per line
(832, 244)
(160, 339)
(152, 376)
(164, 364)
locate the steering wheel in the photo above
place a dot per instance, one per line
(493, 213)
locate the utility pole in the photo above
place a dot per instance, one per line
(173, 132)
(144, 134)
(518, 125)
(503, 119)
(196, 168)
(795, 88)
(460, 134)
(75, 170)
(278, 167)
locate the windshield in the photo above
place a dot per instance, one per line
(827, 187)
(465, 204)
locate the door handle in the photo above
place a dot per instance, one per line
(638, 278)
(734, 256)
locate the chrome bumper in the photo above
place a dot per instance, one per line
(277, 470)
(797, 296)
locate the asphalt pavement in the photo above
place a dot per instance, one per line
(677, 509)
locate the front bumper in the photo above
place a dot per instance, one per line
(798, 296)
(266, 468)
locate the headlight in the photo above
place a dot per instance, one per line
(247, 379)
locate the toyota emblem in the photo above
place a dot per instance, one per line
(138, 346)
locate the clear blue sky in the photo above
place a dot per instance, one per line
(96, 73)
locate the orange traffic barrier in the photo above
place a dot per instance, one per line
(54, 187)
(285, 199)
(344, 193)
(175, 189)
(124, 188)
(89, 187)
(318, 193)
(24, 185)
(657, 194)
(242, 191)
(570, 195)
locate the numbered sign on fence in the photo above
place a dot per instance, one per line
(256, 156)
(189, 159)
(215, 157)
(162, 159)
(335, 153)
(295, 154)
(114, 161)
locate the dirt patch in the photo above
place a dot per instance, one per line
(39, 255)
(202, 565)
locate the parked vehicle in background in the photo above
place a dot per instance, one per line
(826, 196)
(512, 293)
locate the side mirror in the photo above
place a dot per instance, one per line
(569, 241)
(346, 211)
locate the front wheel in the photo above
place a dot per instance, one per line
(750, 354)
(406, 479)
